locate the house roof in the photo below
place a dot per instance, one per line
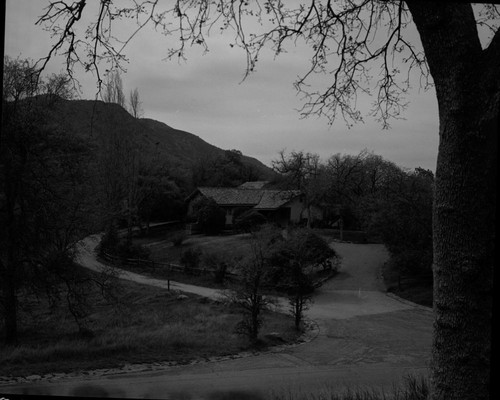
(272, 199)
(260, 199)
(253, 185)
(232, 196)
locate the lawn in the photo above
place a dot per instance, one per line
(231, 247)
(162, 249)
(146, 324)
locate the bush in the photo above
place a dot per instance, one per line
(249, 220)
(210, 217)
(110, 241)
(218, 263)
(413, 262)
(190, 260)
(130, 250)
(178, 238)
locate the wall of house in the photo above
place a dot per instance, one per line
(190, 204)
(299, 212)
(229, 215)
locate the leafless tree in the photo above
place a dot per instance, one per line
(113, 89)
(254, 272)
(304, 172)
(365, 47)
(135, 104)
(45, 197)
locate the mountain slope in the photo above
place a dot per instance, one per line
(94, 120)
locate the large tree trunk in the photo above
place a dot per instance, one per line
(10, 306)
(13, 165)
(467, 86)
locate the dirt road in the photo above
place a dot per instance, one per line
(365, 338)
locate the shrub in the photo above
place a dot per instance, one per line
(218, 263)
(178, 238)
(413, 262)
(210, 217)
(249, 220)
(110, 241)
(130, 250)
(190, 260)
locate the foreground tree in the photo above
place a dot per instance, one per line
(346, 37)
(45, 196)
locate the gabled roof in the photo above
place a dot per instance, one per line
(232, 196)
(253, 185)
(272, 199)
(260, 199)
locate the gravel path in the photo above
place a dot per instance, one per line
(87, 258)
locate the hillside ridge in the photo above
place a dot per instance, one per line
(91, 119)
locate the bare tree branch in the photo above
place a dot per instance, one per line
(361, 44)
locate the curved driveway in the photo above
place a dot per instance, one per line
(365, 339)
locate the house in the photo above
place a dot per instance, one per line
(279, 206)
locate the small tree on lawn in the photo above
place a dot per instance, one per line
(190, 259)
(299, 293)
(299, 255)
(255, 272)
(219, 263)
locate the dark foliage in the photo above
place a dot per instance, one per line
(210, 217)
(249, 220)
(228, 169)
(191, 259)
(218, 263)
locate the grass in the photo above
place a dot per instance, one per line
(413, 388)
(147, 325)
(162, 249)
(231, 247)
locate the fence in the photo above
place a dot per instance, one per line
(168, 267)
(345, 235)
(155, 229)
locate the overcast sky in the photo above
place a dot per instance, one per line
(206, 96)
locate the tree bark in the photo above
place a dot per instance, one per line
(13, 165)
(10, 306)
(467, 84)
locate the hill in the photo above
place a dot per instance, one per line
(181, 150)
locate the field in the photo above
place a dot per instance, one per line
(235, 246)
(162, 249)
(232, 248)
(144, 324)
